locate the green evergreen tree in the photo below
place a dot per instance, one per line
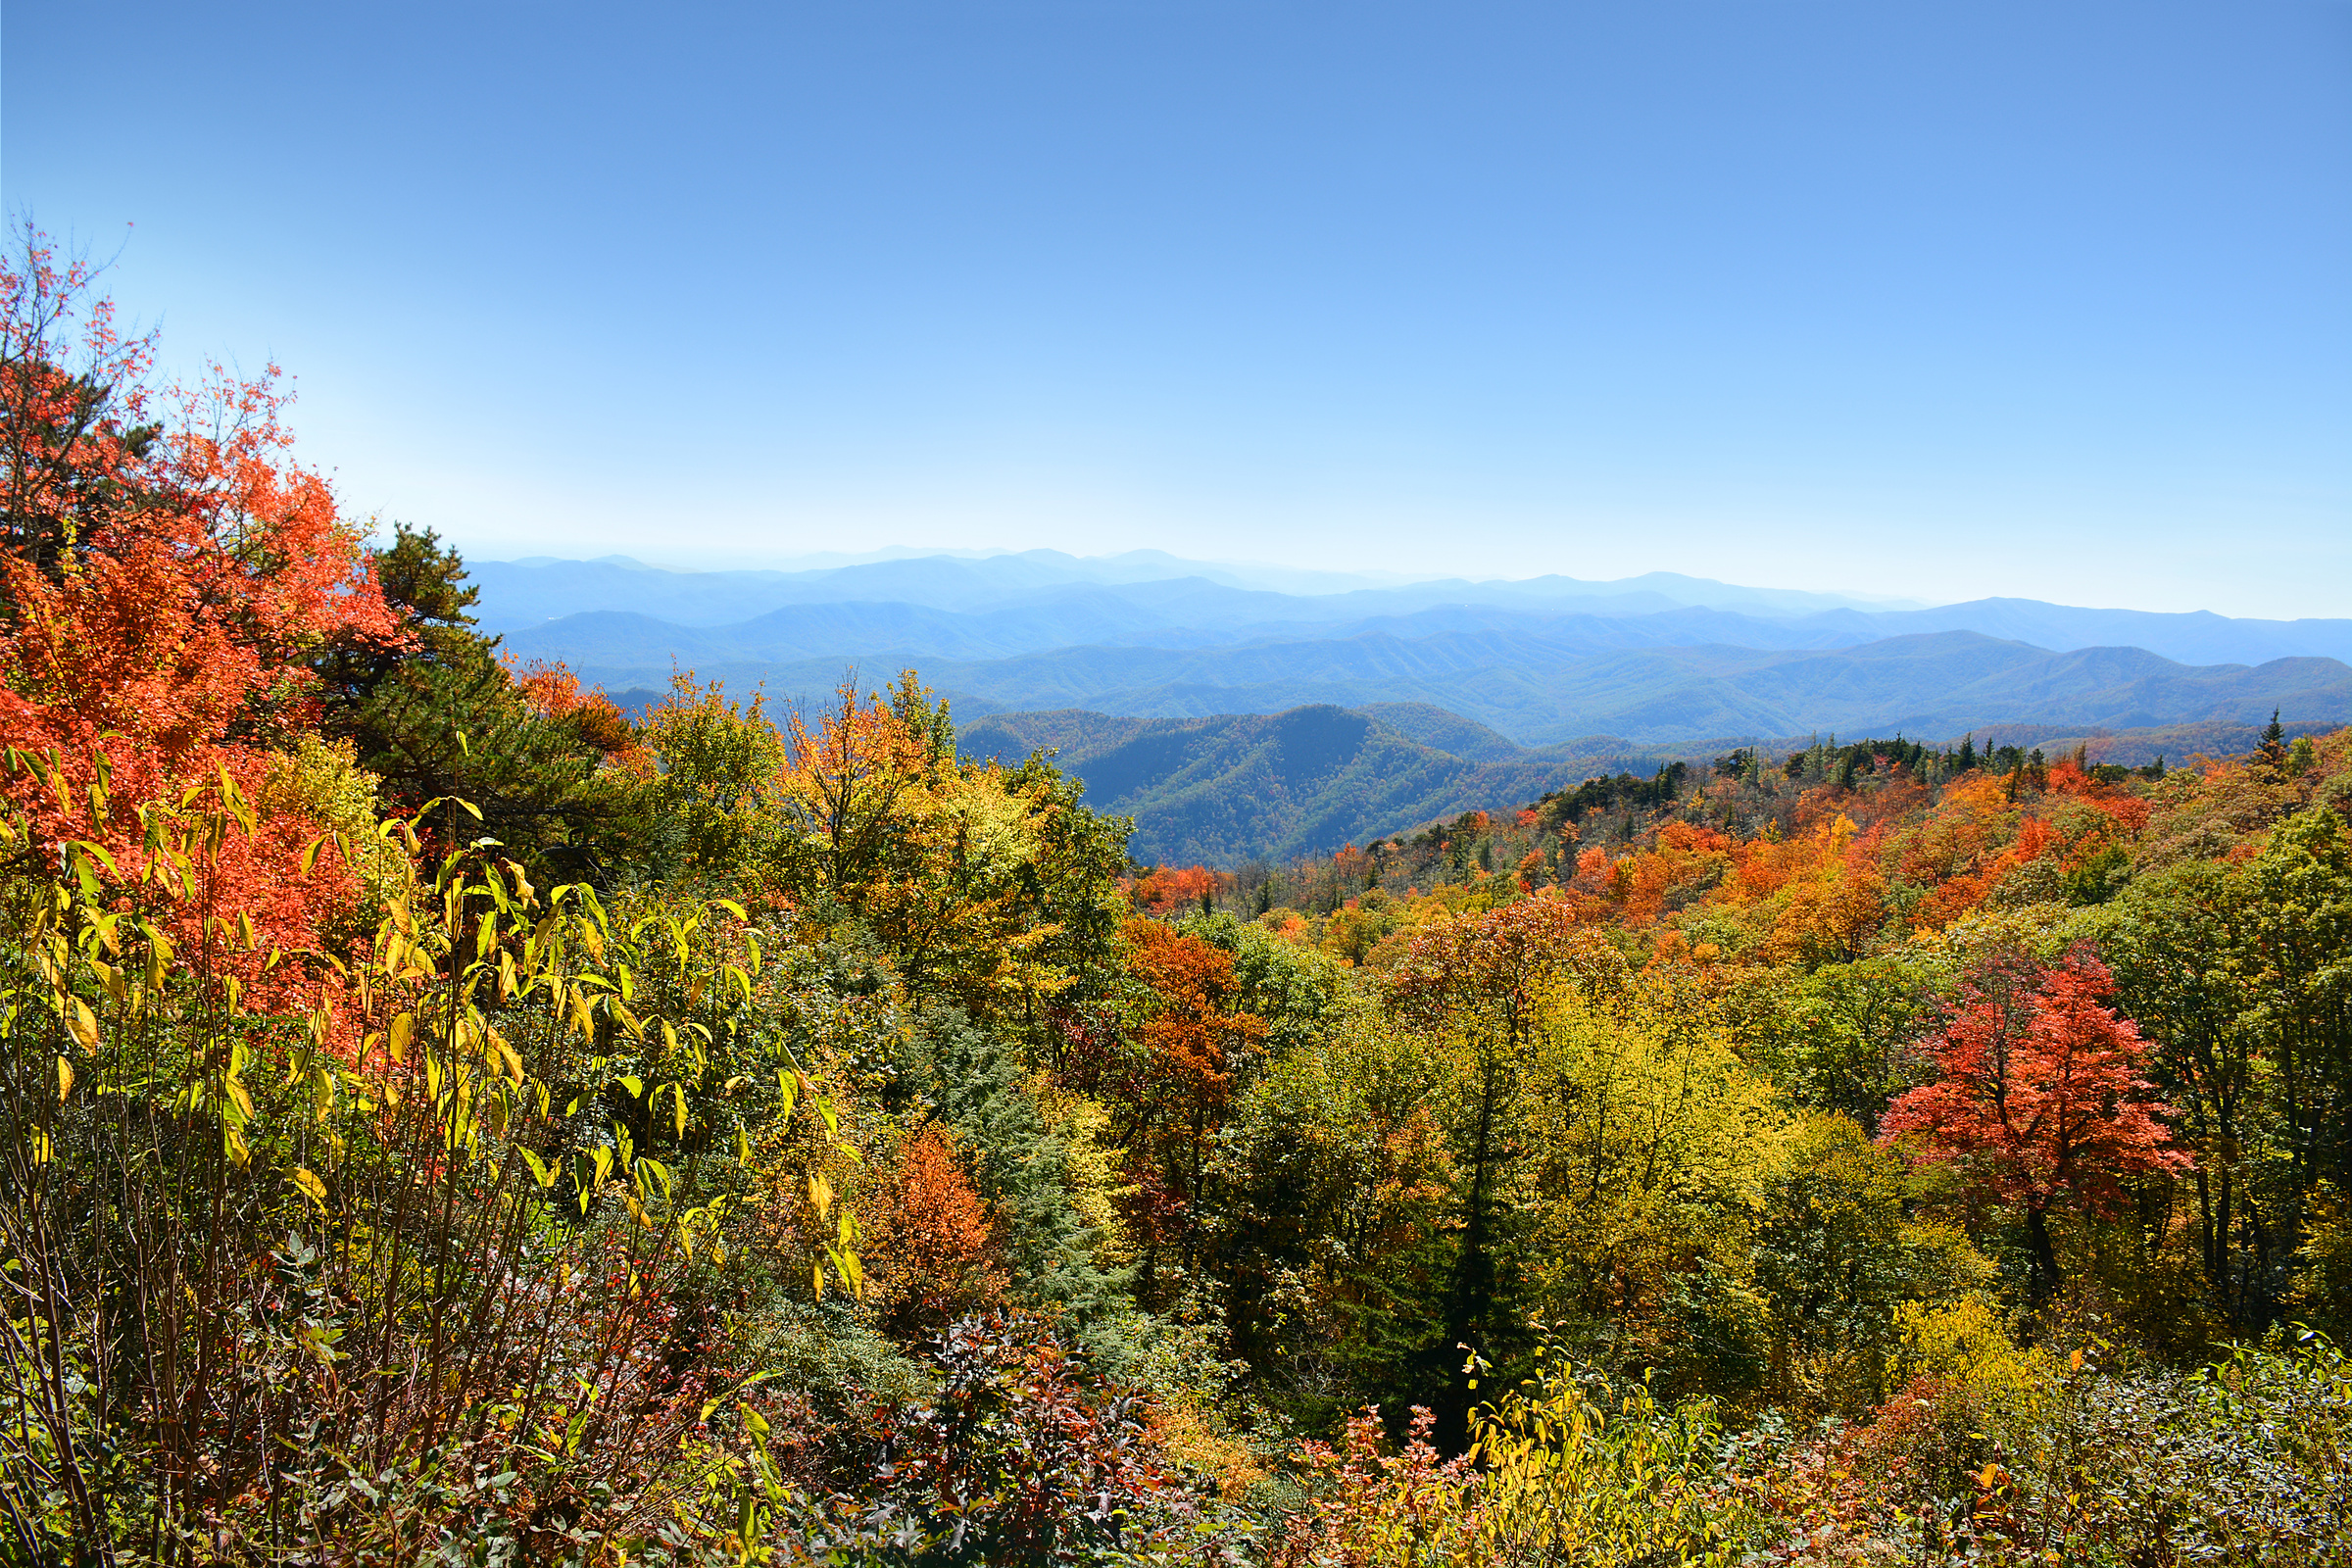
(974, 1083)
(2271, 752)
(443, 718)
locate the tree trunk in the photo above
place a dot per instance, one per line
(2045, 1280)
(1473, 1292)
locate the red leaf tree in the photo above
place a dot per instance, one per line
(2043, 1100)
(164, 568)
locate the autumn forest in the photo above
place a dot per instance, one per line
(447, 1116)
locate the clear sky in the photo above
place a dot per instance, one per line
(1935, 300)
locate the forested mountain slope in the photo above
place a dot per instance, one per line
(1229, 789)
(449, 1118)
(1236, 787)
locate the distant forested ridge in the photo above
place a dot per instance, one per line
(1230, 789)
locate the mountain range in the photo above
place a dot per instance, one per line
(1158, 590)
(1244, 713)
(1662, 659)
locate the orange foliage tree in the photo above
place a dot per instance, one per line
(851, 776)
(1194, 1038)
(553, 690)
(1835, 904)
(934, 1234)
(1172, 888)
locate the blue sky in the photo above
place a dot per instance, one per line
(1937, 301)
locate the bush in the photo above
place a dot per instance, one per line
(1566, 1469)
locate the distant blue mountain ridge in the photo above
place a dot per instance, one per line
(1656, 659)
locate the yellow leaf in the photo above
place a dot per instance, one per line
(312, 1184)
(81, 1023)
(504, 1056)
(820, 1194)
(65, 1079)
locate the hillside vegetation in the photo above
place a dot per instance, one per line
(1232, 789)
(448, 1118)
(1241, 786)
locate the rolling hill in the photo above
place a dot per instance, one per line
(1540, 692)
(1237, 787)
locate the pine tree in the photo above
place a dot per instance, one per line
(2272, 749)
(1020, 1163)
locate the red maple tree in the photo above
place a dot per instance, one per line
(164, 568)
(2043, 1100)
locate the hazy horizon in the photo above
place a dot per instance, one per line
(819, 560)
